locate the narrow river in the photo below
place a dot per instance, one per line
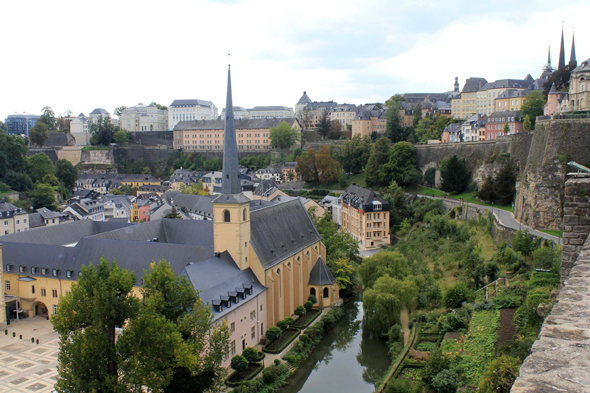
(345, 360)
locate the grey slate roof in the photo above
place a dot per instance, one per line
(176, 103)
(265, 187)
(100, 111)
(473, 84)
(62, 234)
(231, 198)
(270, 108)
(36, 221)
(320, 274)
(198, 204)
(217, 276)
(243, 124)
(304, 99)
(583, 67)
(7, 207)
(553, 89)
(281, 230)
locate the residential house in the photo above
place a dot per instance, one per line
(289, 170)
(466, 105)
(451, 133)
(557, 102)
(365, 215)
(86, 209)
(369, 121)
(496, 121)
(13, 219)
(344, 113)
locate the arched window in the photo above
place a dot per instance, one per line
(312, 291)
(326, 292)
(226, 216)
(244, 215)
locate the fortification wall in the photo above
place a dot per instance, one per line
(100, 157)
(71, 153)
(560, 358)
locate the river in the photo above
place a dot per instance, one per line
(346, 359)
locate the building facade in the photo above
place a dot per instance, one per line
(579, 92)
(208, 135)
(181, 110)
(20, 124)
(465, 105)
(496, 122)
(365, 215)
(144, 118)
(13, 219)
(269, 112)
(369, 121)
(239, 113)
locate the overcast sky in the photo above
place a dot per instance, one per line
(81, 55)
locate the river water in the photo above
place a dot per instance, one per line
(346, 359)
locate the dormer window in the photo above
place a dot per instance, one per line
(34, 270)
(8, 268)
(44, 271)
(21, 268)
(69, 273)
(55, 272)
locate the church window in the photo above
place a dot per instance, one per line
(326, 292)
(312, 291)
(226, 217)
(244, 214)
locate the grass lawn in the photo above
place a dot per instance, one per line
(279, 342)
(86, 148)
(470, 198)
(431, 191)
(553, 232)
(359, 179)
(306, 318)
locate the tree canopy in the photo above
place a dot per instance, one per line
(533, 106)
(283, 136)
(102, 132)
(454, 175)
(318, 167)
(39, 133)
(66, 173)
(377, 158)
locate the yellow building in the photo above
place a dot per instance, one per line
(369, 121)
(138, 180)
(465, 105)
(365, 216)
(511, 100)
(579, 92)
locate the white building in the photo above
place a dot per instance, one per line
(116, 206)
(98, 113)
(181, 110)
(344, 113)
(144, 118)
(86, 209)
(239, 113)
(269, 112)
(80, 126)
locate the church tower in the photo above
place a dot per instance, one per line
(561, 63)
(231, 209)
(573, 63)
(456, 85)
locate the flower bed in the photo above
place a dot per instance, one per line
(281, 343)
(303, 321)
(237, 378)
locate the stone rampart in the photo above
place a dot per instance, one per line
(93, 157)
(560, 358)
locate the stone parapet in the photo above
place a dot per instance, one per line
(560, 358)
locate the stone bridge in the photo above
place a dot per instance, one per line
(560, 358)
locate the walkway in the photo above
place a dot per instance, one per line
(505, 218)
(28, 367)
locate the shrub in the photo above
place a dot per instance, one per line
(399, 386)
(282, 324)
(273, 333)
(312, 299)
(508, 301)
(456, 294)
(271, 374)
(436, 363)
(277, 362)
(524, 243)
(289, 321)
(328, 320)
(543, 279)
(544, 257)
(239, 363)
(500, 375)
(446, 381)
(308, 305)
(250, 354)
(253, 386)
(299, 310)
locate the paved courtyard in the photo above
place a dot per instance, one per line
(25, 366)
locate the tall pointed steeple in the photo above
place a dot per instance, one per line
(573, 54)
(230, 183)
(549, 57)
(561, 63)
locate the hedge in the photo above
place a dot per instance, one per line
(251, 376)
(275, 351)
(318, 312)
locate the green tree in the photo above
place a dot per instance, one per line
(505, 184)
(318, 167)
(3, 127)
(12, 154)
(39, 133)
(273, 333)
(43, 196)
(18, 181)
(499, 375)
(173, 214)
(335, 131)
(50, 180)
(524, 242)
(121, 137)
(161, 107)
(454, 175)
(307, 168)
(299, 310)
(401, 165)
(533, 106)
(283, 136)
(417, 112)
(343, 271)
(430, 176)
(66, 173)
(172, 341)
(447, 381)
(324, 124)
(48, 118)
(486, 192)
(39, 166)
(195, 189)
(119, 110)
(377, 158)
(506, 128)
(390, 263)
(394, 129)
(355, 154)
(251, 354)
(527, 125)
(394, 101)
(456, 294)
(385, 300)
(100, 301)
(102, 132)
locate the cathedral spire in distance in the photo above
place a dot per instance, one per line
(549, 57)
(573, 54)
(561, 63)
(230, 183)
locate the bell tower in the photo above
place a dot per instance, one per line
(231, 209)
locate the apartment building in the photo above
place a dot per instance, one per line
(365, 215)
(13, 219)
(239, 113)
(579, 92)
(181, 110)
(496, 121)
(511, 100)
(370, 120)
(465, 105)
(344, 113)
(144, 118)
(208, 135)
(490, 92)
(86, 209)
(269, 112)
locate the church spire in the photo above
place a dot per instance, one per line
(561, 63)
(573, 54)
(230, 183)
(549, 57)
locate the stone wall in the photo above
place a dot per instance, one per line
(93, 157)
(560, 358)
(71, 153)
